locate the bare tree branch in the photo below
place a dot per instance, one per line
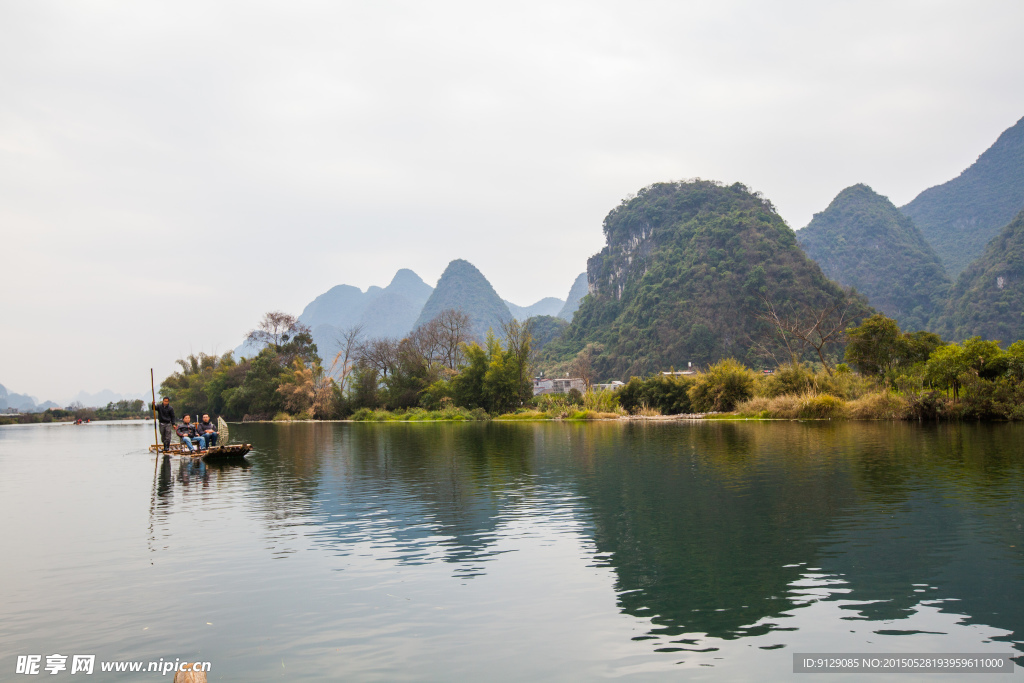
(345, 360)
(807, 326)
(275, 329)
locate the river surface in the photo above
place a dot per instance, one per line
(509, 552)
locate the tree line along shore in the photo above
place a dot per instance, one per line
(440, 373)
(115, 410)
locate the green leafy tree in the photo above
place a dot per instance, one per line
(500, 385)
(1015, 361)
(258, 395)
(983, 357)
(874, 345)
(668, 394)
(468, 385)
(944, 368)
(917, 347)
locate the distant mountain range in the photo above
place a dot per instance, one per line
(407, 302)
(687, 267)
(381, 312)
(25, 403)
(20, 402)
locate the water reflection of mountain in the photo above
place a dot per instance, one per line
(415, 493)
(708, 527)
(700, 523)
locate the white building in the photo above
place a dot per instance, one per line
(544, 385)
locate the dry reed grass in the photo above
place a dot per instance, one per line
(878, 405)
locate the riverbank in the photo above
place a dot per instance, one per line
(874, 406)
(48, 418)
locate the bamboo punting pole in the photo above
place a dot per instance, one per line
(156, 433)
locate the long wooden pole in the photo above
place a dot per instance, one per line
(156, 433)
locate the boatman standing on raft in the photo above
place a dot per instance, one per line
(165, 413)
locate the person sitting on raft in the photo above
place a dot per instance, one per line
(187, 431)
(208, 431)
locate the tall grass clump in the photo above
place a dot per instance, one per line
(601, 401)
(447, 414)
(878, 405)
(806, 406)
(598, 404)
(799, 378)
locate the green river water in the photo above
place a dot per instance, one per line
(508, 552)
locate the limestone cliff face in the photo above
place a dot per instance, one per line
(610, 270)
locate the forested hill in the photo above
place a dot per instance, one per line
(685, 274)
(958, 218)
(464, 288)
(862, 240)
(988, 297)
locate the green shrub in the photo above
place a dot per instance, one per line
(845, 385)
(927, 405)
(437, 395)
(665, 394)
(791, 378)
(724, 385)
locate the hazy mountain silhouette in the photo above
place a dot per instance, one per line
(575, 296)
(547, 306)
(462, 287)
(381, 312)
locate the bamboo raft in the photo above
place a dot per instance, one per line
(231, 452)
(216, 454)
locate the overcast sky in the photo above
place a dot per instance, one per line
(171, 170)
